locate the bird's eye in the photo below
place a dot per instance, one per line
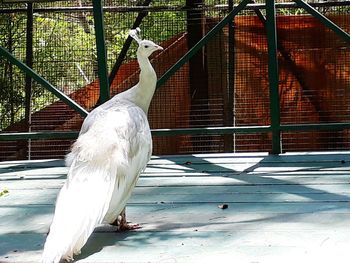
(146, 46)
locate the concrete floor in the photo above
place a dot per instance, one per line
(286, 208)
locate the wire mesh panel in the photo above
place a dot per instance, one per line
(314, 78)
(224, 84)
(12, 34)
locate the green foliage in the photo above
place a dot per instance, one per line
(64, 49)
(11, 85)
(59, 45)
(11, 102)
(117, 26)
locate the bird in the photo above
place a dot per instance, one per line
(113, 147)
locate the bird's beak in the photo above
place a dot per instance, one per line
(159, 47)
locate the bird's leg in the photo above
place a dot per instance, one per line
(122, 224)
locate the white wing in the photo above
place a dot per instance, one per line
(105, 161)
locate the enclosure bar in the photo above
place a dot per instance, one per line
(126, 9)
(28, 80)
(202, 42)
(260, 15)
(14, 136)
(101, 51)
(185, 131)
(324, 20)
(211, 130)
(155, 132)
(286, 5)
(126, 45)
(273, 75)
(315, 126)
(229, 101)
(29, 63)
(42, 81)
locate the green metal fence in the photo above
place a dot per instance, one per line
(275, 128)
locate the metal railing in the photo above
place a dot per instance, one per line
(275, 128)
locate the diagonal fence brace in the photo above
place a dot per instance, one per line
(202, 42)
(328, 23)
(23, 67)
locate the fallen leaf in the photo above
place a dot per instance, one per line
(4, 192)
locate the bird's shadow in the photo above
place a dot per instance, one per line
(103, 236)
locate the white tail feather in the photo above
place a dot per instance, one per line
(81, 205)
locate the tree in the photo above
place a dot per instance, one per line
(11, 81)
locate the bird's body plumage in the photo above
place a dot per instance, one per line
(113, 147)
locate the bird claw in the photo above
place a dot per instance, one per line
(128, 227)
(123, 225)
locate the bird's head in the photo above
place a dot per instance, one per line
(146, 47)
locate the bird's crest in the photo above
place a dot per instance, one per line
(134, 33)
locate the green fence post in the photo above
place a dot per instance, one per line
(229, 98)
(273, 75)
(101, 51)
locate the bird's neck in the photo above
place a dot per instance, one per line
(146, 67)
(142, 93)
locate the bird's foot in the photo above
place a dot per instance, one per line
(127, 226)
(123, 225)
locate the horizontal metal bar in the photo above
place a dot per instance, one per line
(184, 131)
(7, 136)
(112, 9)
(315, 126)
(125, 9)
(211, 130)
(28, 1)
(6, 54)
(288, 5)
(155, 132)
